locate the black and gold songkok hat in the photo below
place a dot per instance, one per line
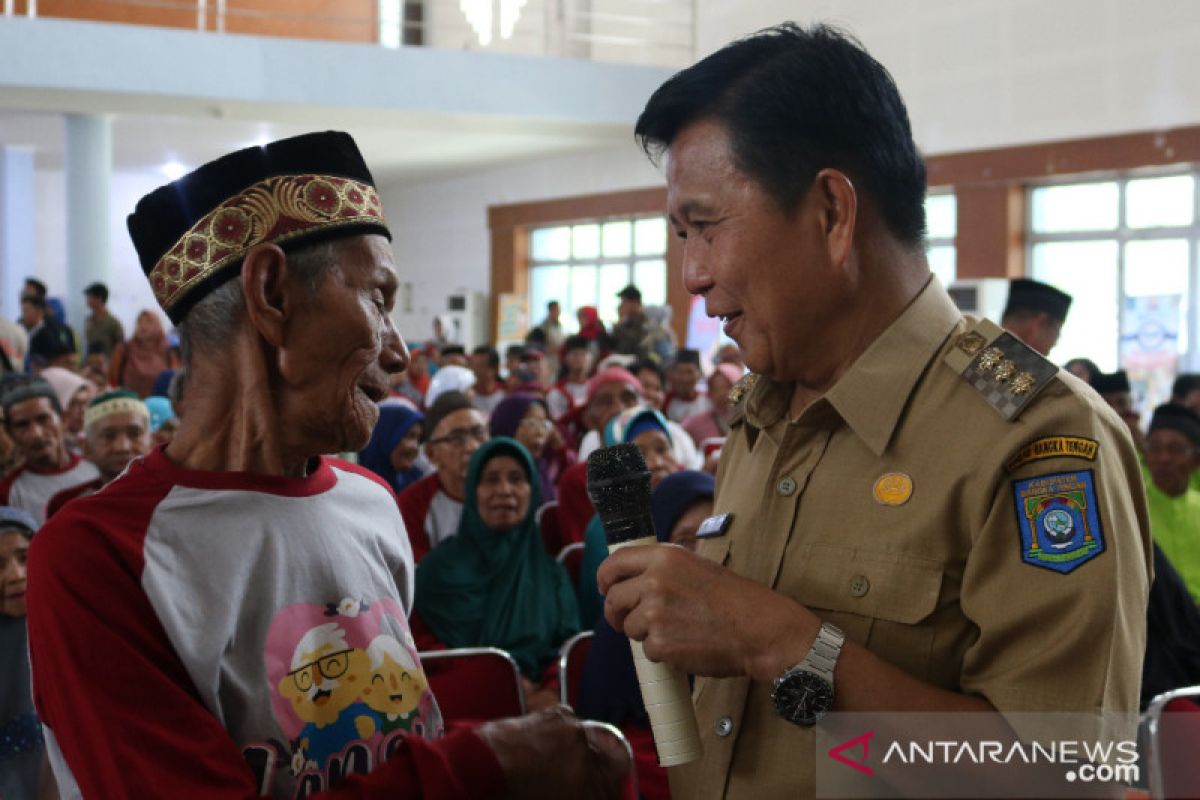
(192, 233)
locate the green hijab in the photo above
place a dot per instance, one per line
(481, 588)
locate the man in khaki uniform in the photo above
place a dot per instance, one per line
(926, 486)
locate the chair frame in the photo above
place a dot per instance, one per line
(468, 652)
(1152, 717)
(564, 654)
(631, 778)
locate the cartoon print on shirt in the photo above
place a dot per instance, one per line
(346, 685)
(323, 686)
(396, 685)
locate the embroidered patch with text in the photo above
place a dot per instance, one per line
(1054, 447)
(1058, 520)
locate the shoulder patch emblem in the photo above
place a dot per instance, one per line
(1054, 447)
(1058, 520)
(1002, 368)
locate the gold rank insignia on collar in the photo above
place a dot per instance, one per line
(742, 388)
(1002, 368)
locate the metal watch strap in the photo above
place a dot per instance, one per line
(822, 658)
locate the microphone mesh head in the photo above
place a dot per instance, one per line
(619, 486)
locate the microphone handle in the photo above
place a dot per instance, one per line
(667, 698)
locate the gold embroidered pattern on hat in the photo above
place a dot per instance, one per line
(276, 210)
(116, 405)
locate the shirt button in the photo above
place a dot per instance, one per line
(724, 726)
(787, 486)
(859, 585)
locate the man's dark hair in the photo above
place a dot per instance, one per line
(575, 343)
(98, 291)
(796, 101)
(640, 365)
(1185, 384)
(553, 304)
(454, 350)
(493, 358)
(35, 301)
(36, 287)
(516, 351)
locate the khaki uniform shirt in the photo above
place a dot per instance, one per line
(892, 508)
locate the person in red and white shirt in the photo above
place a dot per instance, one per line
(432, 507)
(489, 389)
(117, 428)
(33, 418)
(685, 399)
(226, 618)
(570, 392)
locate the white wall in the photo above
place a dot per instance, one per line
(129, 292)
(978, 74)
(440, 231)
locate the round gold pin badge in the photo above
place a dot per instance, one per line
(893, 489)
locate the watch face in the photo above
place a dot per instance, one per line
(803, 697)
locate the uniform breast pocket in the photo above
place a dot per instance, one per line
(883, 601)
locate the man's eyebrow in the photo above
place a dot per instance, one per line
(687, 208)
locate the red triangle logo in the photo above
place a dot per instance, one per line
(852, 761)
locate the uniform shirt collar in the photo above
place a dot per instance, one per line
(872, 394)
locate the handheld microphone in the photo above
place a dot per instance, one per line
(619, 486)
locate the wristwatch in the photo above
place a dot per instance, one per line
(804, 693)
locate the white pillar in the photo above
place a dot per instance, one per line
(16, 226)
(88, 170)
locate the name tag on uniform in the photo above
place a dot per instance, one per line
(714, 526)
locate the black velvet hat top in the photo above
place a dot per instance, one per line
(192, 233)
(1025, 294)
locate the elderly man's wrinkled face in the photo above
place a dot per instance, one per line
(37, 429)
(115, 440)
(341, 348)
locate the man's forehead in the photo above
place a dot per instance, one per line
(34, 406)
(462, 418)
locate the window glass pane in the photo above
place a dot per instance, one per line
(583, 287)
(650, 236)
(651, 278)
(617, 239)
(1157, 268)
(1081, 207)
(1155, 202)
(546, 284)
(550, 244)
(613, 278)
(942, 263)
(1088, 272)
(585, 241)
(941, 216)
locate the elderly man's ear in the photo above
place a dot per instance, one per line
(265, 285)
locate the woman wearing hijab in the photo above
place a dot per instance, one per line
(74, 393)
(590, 326)
(137, 363)
(493, 584)
(609, 689)
(21, 744)
(526, 418)
(648, 429)
(395, 444)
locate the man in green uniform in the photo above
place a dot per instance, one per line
(1172, 457)
(914, 497)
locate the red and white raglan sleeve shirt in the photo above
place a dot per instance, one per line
(212, 635)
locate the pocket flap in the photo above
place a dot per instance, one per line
(891, 586)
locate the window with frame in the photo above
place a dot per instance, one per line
(586, 263)
(941, 226)
(1121, 247)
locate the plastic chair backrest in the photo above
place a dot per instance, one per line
(546, 518)
(1172, 726)
(474, 683)
(630, 784)
(571, 557)
(571, 659)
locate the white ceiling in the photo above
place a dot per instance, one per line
(403, 149)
